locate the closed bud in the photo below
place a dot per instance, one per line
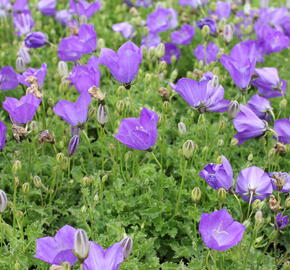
(182, 128)
(24, 54)
(127, 244)
(37, 181)
(222, 124)
(234, 141)
(101, 43)
(233, 109)
(62, 69)
(205, 31)
(17, 266)
(148, 78)
(66, 266)
(160, 50)
(17, 165)
(87, 180)
(20, 65)
(60, 157)
(105, 178)
(259, 217)
(287, 203)
(96, 197)
(56, 267)
(214, 82)
(73, 144)
(83, 19)
(222, 194)
(3, 201)
(162, 66)
(247, 8)
(228, 33)
(220, 142)
(250, 157)
(247, 223)
(188, 149)
(283, 104)
(259, 239)
(81, 245)
(102, 114)
(25, 187)
(288, 6)
(173, 59)
(173, 75)
(16, 181)
(196, 194)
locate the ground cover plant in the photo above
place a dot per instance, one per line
(144, 135)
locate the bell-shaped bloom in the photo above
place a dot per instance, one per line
(124, 64)
(219, 231)
(139, 133)
(151, 41)
(261, 107)
(74, 113)
(23, 22)
(86, 76)
(280, 181)
(64, 16)
(20, 5)
(268, 82)
(223, 9)
(191, 3)
(21, 111)
(202, 95)
(218, 175)
(35, 40)
(3, 130)
(39, 74)
(58, 249)
(109, 259)
(282, 128)
(206, 54)
(126, 29)
(184, 35)
(70, 49)
(87, 35)
(47, 7)
(209, 22)
(281, 221)
(171, 50)
(161, 20)
(253, 183)
(248, 125)
(143, 3)
(84, 8)
(8, 78)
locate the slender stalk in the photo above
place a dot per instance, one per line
(240, 206)
(249, 206)
(180, 188)
(157, 161)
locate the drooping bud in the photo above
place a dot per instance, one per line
(228, 33)
(73, 144)
(188, 149)
(81, 245)
(37, 181)
(182, 128)
(102, 114)
(222, 194)
(20, 65)
(25, 187)
(3, 201)
(62, 69)
(233, 109)
(127, 244)
(196, 194)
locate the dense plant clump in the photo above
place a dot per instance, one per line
(145, 135)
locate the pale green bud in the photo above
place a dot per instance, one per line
(222, 194)
(283, 104)
(250, 157)
(173, 75)
(25, 187)
(196, 194)
(81, 245)
(247, 223)
(16, 167)
(101, 43)
(160, 50)
(188, 149)
(60, 157)
(205, 31)
(3, 201)
(259, 217)
(181, 128)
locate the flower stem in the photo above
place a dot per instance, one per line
(240, 206)
(157, 161)
(180, 188)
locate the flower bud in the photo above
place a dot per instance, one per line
(283, 104)
(60, 157)
(81, 245)
(234, 141)
(247, 8)
(73, 144)
(162, 66)
(83, 20)
(287, 202)
(188, 149)
(228, 33)
(257, 204)
(56, 267)
(101, 43)
(37, 181)
(214, 82)
(160, 50)
(233, 109)
(250, 157)
(3, 201)
(222, 194)
(17, 165)
(247, 223)
(259, 217)
(205, 31)
(127, 244)
(220, 142)
(62, 69)
(181, 128)
(16, 181)
(87, 180)
(25, 187)
(196, 194)
(20, 65)
(173, 75)
(24, 54)
(264, 3)
(102, 114)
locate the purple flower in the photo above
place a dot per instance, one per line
(84, 8)
(58, 249)
(125, 28)
(248, 125)
(8, 78)
(170, 51)
(218, 175)
(76, 113)
(223, 9)
(281, 221)
(162, 20)
(143, 3)
(202, 95)
(70, 49)
(109, 259)
(124, 64)
(20, 5)
(261, 107)
(84, 77)
(184, 35)
(253, 183)
(209, 22)
(282, 128)
(206, 54)
(64, 16)
(219, 231)
(280, 181)
(88, 37)
(37, 73)
(23, 22)
(23, 52)
(47, 7)
(268, 82)
(191, 3)
(21, 111)
(150, 41)
(35, 40)
(3, 130)
(139, 133)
